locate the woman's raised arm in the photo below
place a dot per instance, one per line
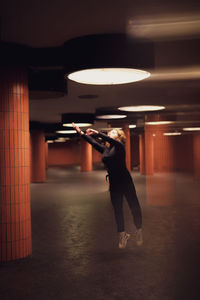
(88, 137)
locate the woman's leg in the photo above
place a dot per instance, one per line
(132, 199)
(117, 202)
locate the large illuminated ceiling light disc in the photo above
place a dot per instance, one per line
(141, 108)
(108, 76)
(107, 59)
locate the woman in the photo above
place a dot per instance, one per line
(121, 184)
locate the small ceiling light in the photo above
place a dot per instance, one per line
(66, 131)
(111, 117)
(110, 128)
(141, 108)
(78, 124)
(159, 123)
(80, 119)
(171, 133)
(108, 76)
(191, 129)
(50, 142)
(59, 141)
(62, 139)
(132, 126)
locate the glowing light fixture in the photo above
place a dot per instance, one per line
(191, 129)
(111, 116)
(80, 119)
(141, 108)
(108, 59)
(50, 142)
(171, 133)
(132, 126)
(66, 131)
(61, 139)
(78, 124)
(159, 123)
(108, 76)
(110, 128)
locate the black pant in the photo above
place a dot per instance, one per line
(128, 190)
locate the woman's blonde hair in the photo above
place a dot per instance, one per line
(121, 135)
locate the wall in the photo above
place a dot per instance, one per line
(68, 153)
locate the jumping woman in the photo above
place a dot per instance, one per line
(121, 183)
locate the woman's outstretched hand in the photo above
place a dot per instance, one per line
(91, 131)
(76, 128)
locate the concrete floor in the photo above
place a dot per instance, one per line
(75, 253)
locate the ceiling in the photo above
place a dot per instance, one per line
(174, 27)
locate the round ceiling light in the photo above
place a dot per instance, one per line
(109, 128)
(139, 108)
(78, 124)
(104, 117)
(171, 133)
(159, 123)
(66, 131)
(132, 126)
(80, 119)
(108, 76)
(191, 129)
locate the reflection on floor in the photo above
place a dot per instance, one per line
(75, 253)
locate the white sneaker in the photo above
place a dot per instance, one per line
(123, 238)
(139, 237)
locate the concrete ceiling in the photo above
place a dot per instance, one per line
(174, 26)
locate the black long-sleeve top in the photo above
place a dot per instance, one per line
(113, 157)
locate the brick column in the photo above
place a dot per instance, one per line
(142, 154)
(164, 149)
(160, 188)
(149, 150)
(46, 154)
(15, 216)
(38, 161)
(86, 156)
(196, 151)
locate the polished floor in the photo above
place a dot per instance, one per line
(75, 253)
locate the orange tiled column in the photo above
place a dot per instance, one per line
(38, 161)
(86, 156)
(160, 190)
(149, 150)
(164, 149)
(128, 146)
(15, 221)
(142, 154)
(46, 154)
(196, 150)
